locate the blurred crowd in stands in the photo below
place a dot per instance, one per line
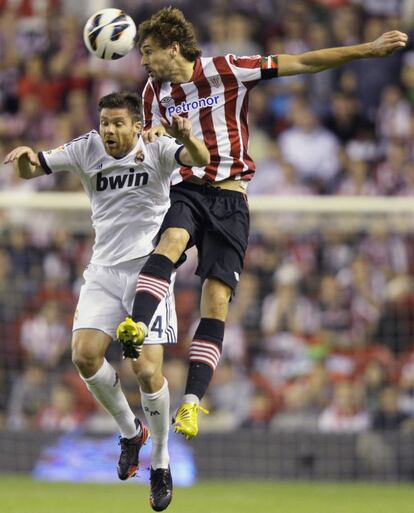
(321, 331)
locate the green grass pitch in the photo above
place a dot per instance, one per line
(22, 495)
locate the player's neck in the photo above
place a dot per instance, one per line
(182, 71)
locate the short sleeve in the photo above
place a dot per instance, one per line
(168, 154)
(68, 157)
(254, 67)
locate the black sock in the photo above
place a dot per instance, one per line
(205, 353)
(152, 285)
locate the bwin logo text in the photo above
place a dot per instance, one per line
(120, 181)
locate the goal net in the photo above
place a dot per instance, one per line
(319, 337)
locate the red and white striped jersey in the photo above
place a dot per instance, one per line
(216, 102)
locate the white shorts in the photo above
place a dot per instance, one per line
(107, 296)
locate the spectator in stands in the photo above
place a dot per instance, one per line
(45, 338)
(29, 394)
(310, 148)
(334, 313)
(296, 412)
(229, 398)
(395, 329)
(357, 181)
(337, 250)
(407, 185)
(346, 413)
(365, 286)
(385, 251)
(287, 309)
(375, 379)
(406, 385)
(61, 413)
(345, 118)
(389, 416)
(407, 76)
(393, 115)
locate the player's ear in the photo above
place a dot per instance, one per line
(174, 49)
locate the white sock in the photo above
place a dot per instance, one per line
(156, 407)
(191, 398)
(106, 388)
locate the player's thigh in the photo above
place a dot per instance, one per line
(100, 305)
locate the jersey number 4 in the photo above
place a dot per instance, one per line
(157, 326)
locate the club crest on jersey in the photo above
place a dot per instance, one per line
(132, 179)
(55, 150)
(215, 81)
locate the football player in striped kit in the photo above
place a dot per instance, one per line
(128, 184)
(209, 204)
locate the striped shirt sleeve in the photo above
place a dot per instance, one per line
(254, 67)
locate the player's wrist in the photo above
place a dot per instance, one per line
(370, 49)
(186, 139)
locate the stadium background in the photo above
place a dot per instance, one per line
(317, 376)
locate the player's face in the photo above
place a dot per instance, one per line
(157, 61)
(118, 131)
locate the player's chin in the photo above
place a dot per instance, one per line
(112, 149)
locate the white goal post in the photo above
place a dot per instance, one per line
(77, 201)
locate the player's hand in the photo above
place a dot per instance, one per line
(152, 134)
(388, 43)
(179, 128)
(21, 151)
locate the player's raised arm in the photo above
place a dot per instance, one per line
(319, 60)
(25, 161)
(195, 152)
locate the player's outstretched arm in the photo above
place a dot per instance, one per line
(195, 152)
(25, 161)
(319, 60)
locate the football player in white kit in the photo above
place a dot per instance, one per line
(128, 184)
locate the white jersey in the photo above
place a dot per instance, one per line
(128, 198)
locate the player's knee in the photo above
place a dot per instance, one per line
(217, 309)
(86, 361)
(173, 243)
(147, 374)
(216, 301)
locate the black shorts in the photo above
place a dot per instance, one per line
(218, 223)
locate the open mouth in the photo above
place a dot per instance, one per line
(111, 143)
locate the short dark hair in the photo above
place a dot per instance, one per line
(122, 100)
(168, 26)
